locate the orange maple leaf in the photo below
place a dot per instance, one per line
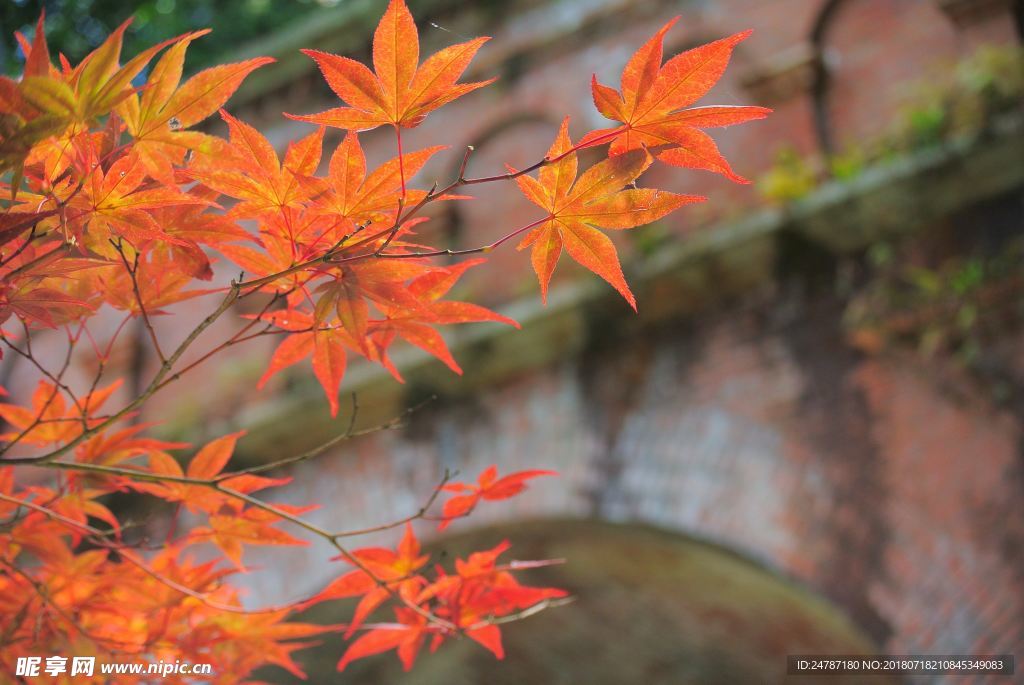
(207, 464)
(576, 206)
(262, 637)
(327, 345)
(256, 175)
(400, 91)
(651, 105)
(52, 419)
(382, 573)
(115, 203)
(157, 119)
(360, 198)
(415, 325)
(487, 487)
(406, 636)
(480, 590)
(252, 526)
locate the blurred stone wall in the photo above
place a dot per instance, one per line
(889, 483)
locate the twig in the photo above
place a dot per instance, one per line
(154, 385)
(132, 272)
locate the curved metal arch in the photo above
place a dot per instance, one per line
(820, 84)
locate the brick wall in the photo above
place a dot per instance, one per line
(888, 487)
(892, 490)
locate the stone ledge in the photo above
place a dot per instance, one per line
(715, 264)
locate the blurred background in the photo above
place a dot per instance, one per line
(811, 437)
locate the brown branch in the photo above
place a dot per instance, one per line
(57, 385)
(132, 271)
(420, 513)
(98, 537)
(320, 449)
(27, 354)
(154, 385)
(329, 257)
(301, 266)
(44, 595)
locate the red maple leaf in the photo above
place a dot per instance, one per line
(596, 199)
(400, 91)
(406, 635)
(487, 487)
(651, 105)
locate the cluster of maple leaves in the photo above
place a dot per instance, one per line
(113, 201)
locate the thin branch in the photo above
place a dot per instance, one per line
(57, 385)
(98, 537)
(154, 385)
(301, 266)
(438, 253)
(525, 613)
(465, 162)
(238, 337)
(330, 256)
(132, 272)
(420, 513)
(27, 354)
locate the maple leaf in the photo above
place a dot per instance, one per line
(360, 198)
(256, 176)
(576, 206)
(251, 526)
(488, 487)
(345, 299)
(114, 204)
(46, 102)
(207, 464)
(480, 590)
(651, 105)
(326, 344)
(39, 306)
(415, 325)
(406, 636)
(121, 446)
(52, 419)
(192, 226)
(488, 587)
(158, 118)
(267, 637)
(400, 91)
(160, 281)
(230, 524)
(295, 347)
(383, 572)
(14, 224)
(49, 287)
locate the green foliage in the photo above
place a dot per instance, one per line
(848, 164)
(952, 308)
(962, 101)
(965, 99)
(75, 27)
(791, 178)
